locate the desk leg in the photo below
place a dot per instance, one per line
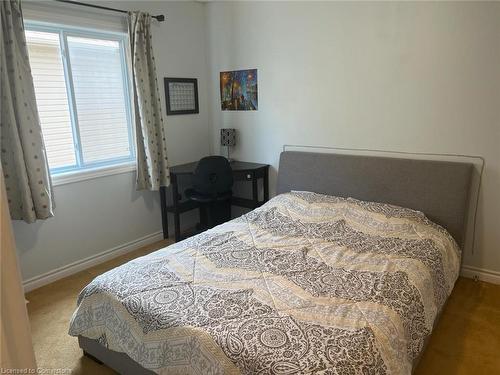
(266, 185)
(164, 216)
(175, 200)
(255, 192)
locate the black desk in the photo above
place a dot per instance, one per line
(242, 171)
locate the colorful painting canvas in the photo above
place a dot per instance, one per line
(238, 90)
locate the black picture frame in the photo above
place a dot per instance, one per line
(169, 96)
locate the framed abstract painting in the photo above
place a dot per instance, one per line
(238, 90)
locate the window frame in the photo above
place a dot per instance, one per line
(81, 170)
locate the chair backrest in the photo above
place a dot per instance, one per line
(213, 175)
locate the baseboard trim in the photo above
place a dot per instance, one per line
(481, 274)
(80, 265)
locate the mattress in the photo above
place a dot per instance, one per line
(305, 284)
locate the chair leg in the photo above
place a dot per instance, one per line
(220, 212)
(203, 217)
(227, 211)
(210, 216)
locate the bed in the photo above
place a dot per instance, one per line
(346, 270)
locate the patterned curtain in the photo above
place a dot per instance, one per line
(152, 162)
(24, 160)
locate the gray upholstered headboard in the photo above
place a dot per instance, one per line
(440, 189)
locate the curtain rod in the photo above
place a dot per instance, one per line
(159, 18)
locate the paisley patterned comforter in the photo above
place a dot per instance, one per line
(305, 284)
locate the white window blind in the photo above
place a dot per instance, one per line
(81, 87)
(51, 97)
(100, 98)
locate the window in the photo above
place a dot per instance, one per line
(81, 88)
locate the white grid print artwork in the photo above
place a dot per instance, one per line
(182, 96)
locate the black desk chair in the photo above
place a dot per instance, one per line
(212, 184)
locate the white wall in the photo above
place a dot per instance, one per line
(396, 76)
(409, 76)
(96, 215)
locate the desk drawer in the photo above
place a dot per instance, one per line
(242, 176)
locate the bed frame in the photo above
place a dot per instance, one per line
(440, 189)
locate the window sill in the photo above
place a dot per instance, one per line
(89, 174)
